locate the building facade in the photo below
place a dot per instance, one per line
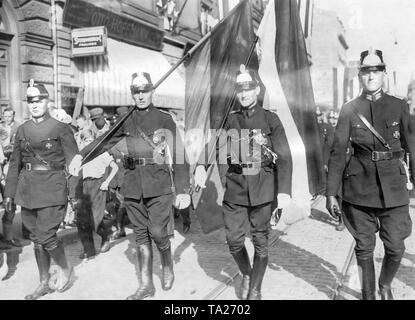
(329, 60)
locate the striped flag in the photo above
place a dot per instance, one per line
(284, 72)
(210, 87)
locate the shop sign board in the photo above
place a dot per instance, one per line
(89, 41)
(80, 14)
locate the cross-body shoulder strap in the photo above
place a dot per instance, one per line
(373, 130)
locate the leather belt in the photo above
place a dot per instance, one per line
(379, 155)
(237, 168)
(143, 161)
(41, 167)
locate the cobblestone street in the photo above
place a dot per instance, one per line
(307, 261)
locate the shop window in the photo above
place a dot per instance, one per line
(2, 27)
(168, 9)
(207, 19)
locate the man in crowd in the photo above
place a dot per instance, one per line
(37, 182)
(250, 179)
(10, 125)
(148, 188)
(91, 207)
(328, 138)
(375, 179)
(10, 128)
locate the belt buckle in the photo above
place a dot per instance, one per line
(142, 161)
(28, 166)
(375, 156)
(249, 165)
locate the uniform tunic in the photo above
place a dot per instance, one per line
(54, 142)
(249, 195)
(377, 184)
(147, 189)
(43, 195)
(259, 188)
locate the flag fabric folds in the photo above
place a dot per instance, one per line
(284, 72)
(210, 87)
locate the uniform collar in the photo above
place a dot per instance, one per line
(41, 119)
(250, 111)
(146, 110)
(373, 96)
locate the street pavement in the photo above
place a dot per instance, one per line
(307, 261)
(403, 286)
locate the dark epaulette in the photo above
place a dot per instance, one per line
(164, 111)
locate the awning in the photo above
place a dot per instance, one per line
(107, 78)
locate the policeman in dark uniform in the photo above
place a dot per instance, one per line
(250, 189)
(375, 195)
(147, 186)
(37, 182)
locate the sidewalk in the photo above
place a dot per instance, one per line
(306, 261)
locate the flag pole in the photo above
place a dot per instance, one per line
(228, 110)
(106, 136)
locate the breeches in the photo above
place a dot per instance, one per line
(150, 217)
(394, 226)
(43, 223)
(236, 218)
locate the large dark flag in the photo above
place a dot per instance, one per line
(284, 71)
(210, 87)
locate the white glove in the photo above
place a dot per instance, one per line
(75, 165)
(200, 176)
(284, 200)
(182, 201)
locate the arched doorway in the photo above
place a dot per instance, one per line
(10, 77)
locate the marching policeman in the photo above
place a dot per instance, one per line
(149, 187)
(376, 178)
(37, 182)
(250, 190)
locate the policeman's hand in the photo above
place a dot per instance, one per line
(75, 165)
(284, 200)
(200, 177)
(9, 205)
(332, 205)
(182, 201)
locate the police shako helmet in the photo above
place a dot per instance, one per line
(140, 82)
(36, 92)
(245, 79)
(372, 60)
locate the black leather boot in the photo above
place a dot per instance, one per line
(389, 269)
(367, 278)
(145, 262)
(63, 279)
(257, 275)
(43, 264)
(167, 265)
(120, 232)
(242, 260)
